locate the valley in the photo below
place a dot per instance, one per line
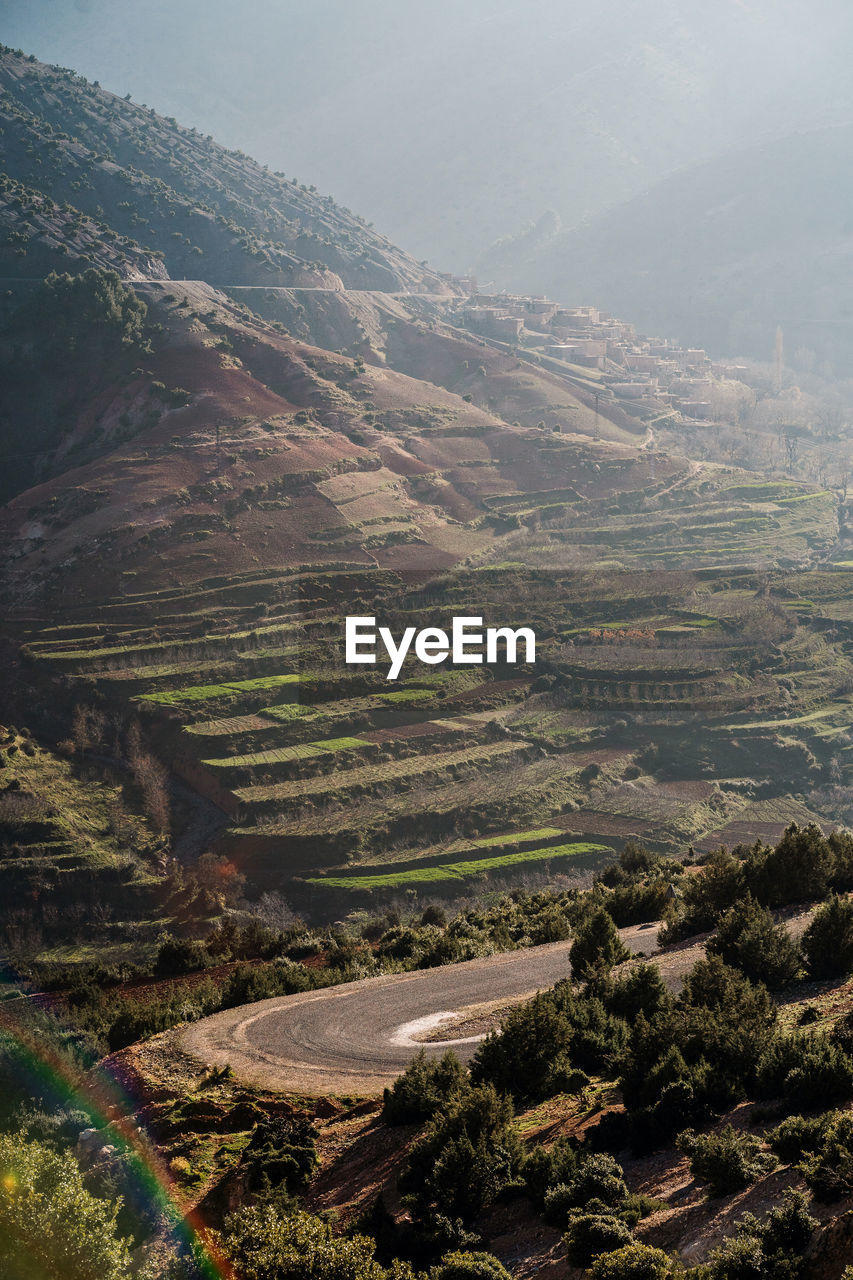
(243, 880)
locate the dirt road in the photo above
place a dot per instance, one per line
(356, 1038)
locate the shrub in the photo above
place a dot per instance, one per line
(822, 1077)
(94, 313)
(641, 990)
(632, 1262)
(281, 1155)
(708, 1045)
(549, 1167)
(727, 1021)
(748, 940)
(828, 1171)
(543, 1043)
(425, 1087)
(598, 1181)
(469, 1266)
(798, 1136)
(597, 946)
(599, 1177)
(842, 1034)
(771, 1249)
(707, 895)
(591, 1234)
(828, 941)
(520, 1059)
(780, 1055)
(726, 1161)
(180, 955)
(636, 858)
(263, 1244)
(50, 1225)
(796, 870)
(465, 1160)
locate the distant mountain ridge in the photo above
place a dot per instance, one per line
(455, 124)
(722, 253)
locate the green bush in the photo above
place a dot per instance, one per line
(591, 1234)
(281, 1155)
(632, 1262)
(469, 1266)
(50, 1226)
(828, 941)
(769, 1250)
(636, 858)
(177, 956)
(542, 1044)
(748, 940)
(597, 946)
(828, 1170)
(640, 990)
(426, 1086)
(706, 896)
(798, 1136)
(599, 1177)
(797, 869)
(727, 1160)
(822, 1077)
(262, 1244)
(94, 313)
(466, 1159)
(708, 1044)
(520, 1058)
(800, 868)
(547, 1167)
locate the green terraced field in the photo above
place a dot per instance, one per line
(407, 695)
(206, 692)
(460, 870)
(292, 711)
(515, 837)
(283, 755)
(392, 771)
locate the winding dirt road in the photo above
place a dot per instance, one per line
(356, 1038)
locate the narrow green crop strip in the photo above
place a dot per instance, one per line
(459, 870)
(203, 692)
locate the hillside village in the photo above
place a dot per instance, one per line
(647, 377)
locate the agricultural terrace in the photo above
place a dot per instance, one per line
(679, 706)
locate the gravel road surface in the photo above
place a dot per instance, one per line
(358, 1037)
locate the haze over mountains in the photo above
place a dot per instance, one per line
(508, 117)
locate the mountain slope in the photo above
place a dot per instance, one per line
(722, 254)
(205, 210)
(455, 124)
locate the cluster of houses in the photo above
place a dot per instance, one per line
(644, 374)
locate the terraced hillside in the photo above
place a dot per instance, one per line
(195, 509)
(73, 852)
(678, 708)
(234, 451)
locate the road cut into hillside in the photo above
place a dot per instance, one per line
(354, 1039)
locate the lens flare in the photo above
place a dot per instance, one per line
(110, 1101)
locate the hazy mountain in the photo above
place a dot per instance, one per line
(455, 125)
(202, 209)
(722, 253)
